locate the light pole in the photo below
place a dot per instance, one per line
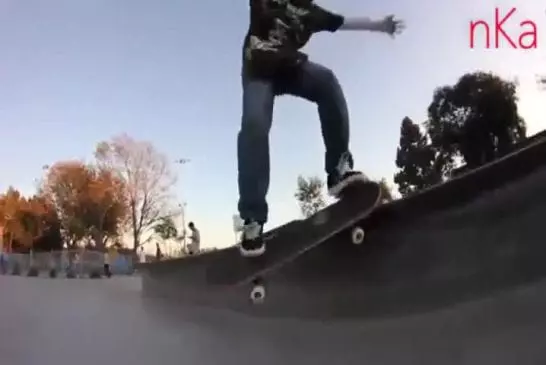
(183, 161)
(183, 216)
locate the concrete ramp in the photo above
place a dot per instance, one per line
(476, 235)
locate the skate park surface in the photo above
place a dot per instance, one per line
(453, 275)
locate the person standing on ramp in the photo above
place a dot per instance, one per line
(274, 65)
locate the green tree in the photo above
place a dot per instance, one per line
(476, 119)
(309, 194)
(165, 228)
(415, 160)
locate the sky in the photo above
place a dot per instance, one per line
(76, 72)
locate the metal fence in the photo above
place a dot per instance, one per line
(72, 263)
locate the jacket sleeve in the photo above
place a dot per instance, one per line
(320, 19)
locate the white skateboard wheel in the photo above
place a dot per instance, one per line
(357, 235)
(257, 295)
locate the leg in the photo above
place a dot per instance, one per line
(319, 84)
(253, 161)
(253, 149)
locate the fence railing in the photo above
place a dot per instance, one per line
(71, 263)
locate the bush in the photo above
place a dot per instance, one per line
(52, 273)
(33, 272)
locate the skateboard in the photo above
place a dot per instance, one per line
(288, 242)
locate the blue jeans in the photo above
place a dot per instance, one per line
(312, 82)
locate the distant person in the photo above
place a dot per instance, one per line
(142, 254)
(195, 239)
(158, 254)
(3, 263)
(107, 260)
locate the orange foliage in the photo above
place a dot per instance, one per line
(90, 201)
(23, 219)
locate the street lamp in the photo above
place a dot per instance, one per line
(183, 161)
(183, 216)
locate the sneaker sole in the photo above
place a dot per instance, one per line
(336, 189)
(252, 253)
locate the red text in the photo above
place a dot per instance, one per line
(522, 35)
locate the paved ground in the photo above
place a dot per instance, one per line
(465, 285)
(93, 322)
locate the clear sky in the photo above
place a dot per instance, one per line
(74, 72)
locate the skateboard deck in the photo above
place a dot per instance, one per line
(286, 243)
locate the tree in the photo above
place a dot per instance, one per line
(165, 228)
(474, 121)
(146, 175)
(10, 203)
(386, 192)
(64, 186)
(90, 201)
(477, 118)
(107, 208)
(51, 238)
(415, 159)
(309, 195)
(28, 223)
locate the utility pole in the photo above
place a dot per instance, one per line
(183, 216)
(183, 161)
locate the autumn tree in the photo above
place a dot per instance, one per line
(64, 184)
(9, 208)
(50, 237)
(90, 201)
(147, 177)
(309, 194)
(107, 208)
(28, 223)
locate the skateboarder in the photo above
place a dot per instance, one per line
(273, 65)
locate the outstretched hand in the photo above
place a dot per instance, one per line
(393, 26)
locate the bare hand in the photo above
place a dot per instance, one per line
(393, 26)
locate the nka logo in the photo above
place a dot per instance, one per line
(522, 35)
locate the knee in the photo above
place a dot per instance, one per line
(325, 77)
(255, 121)
(327, 87)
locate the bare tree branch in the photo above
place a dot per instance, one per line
(147, 176)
